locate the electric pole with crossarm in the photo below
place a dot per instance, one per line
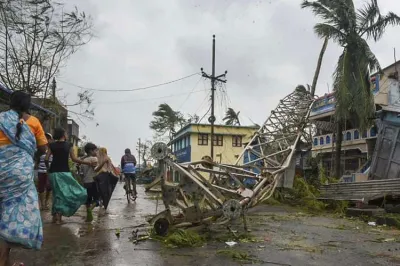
(213, 79)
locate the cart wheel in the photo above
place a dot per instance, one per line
(161, 227)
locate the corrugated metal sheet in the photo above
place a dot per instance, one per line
(33, 105)
(360, 191)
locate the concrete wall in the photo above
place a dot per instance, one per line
(229, 154)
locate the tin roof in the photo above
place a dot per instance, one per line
(33, 105)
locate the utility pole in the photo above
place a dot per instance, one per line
(213, 79)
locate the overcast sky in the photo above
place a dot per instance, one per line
(268, 47)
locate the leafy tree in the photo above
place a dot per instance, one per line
(144, 150)
(193, 119)
(351, 28)
(166, 121)
(231, 117)
(36, 39)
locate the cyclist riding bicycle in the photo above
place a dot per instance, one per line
(128, 166)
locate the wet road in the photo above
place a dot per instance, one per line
(280, 236)
(76, 242)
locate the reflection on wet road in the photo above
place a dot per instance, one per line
(76, 242)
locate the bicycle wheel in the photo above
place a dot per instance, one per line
(127, 190)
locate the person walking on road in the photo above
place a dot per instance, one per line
(106, 176)
(20, 135)
(68, 194)
(44, 187)
(88, 174)
(128, 166)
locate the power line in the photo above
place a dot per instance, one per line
(191, 92)
(149, 99)
(126, 90)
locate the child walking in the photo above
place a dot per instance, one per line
(89, 183)
(44, 187)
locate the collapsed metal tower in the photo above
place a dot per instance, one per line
(212, 192)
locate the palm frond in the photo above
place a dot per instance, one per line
(322, 9)
(341, 79)
(366, 16)
(377, 29)
(324, 30)
(372, 61)
(231, 117)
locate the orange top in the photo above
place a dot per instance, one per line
(36, 128)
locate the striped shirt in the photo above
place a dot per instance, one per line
(42, 165)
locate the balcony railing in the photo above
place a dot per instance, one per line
(348, 135)
(326, 103)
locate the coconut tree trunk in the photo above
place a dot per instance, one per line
(318, 69)
(339, 139)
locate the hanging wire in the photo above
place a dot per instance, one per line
(125, 90)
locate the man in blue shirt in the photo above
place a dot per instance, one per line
(128, 167)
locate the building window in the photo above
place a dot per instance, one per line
(315, 142)
(321, 141)
(356, 134)
(328, 140)
(203, 139)
(236, 141)
(364, 134)
(218, 140)
(373, 132)
(348, 136)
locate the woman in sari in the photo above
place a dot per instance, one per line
(20, 135)
(68, 194)
(107, 177)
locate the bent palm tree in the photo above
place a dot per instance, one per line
(231, 118)
(318, 69)
(166, 120)
(348, 27)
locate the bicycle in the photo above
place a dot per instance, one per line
(131, 195)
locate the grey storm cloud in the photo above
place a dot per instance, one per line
(268, 48)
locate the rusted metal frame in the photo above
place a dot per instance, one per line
(274, 154)
(226, 189)
(284, 166)
(194, 179)
(272, 141)
(256, 135)
(225, 166)
(224, 173)
(266, 157)
(237, 181)
(154, 183)
(212, 207)
(265, 196)
(206, 183)
(185, 200)
(254, 201)
(239, 168)
(180, 205)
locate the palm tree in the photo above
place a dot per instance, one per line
(231, 118)
(351, 28)
(318, 69)
(166, 120)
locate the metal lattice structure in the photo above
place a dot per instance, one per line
(209, 191)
